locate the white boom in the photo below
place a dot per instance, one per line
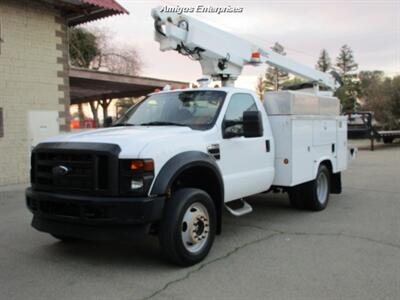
(222, 55)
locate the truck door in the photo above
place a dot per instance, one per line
(247, 164)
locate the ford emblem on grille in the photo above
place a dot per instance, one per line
(60, 170)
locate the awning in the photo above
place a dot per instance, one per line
(87, 85)
(108, 4)
(81, 11)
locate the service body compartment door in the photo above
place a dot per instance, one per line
(302, 156)
(324, 132)
(341, 155)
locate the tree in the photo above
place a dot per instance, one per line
(96, 49)
(94, 106)
(112, 57)
(295, 80)
(345, 61)
(105, 103)
(274, 77)
(370, 84)
(350, 90)
(324, 61)
(381, 96)
(260, 87)
(124, 104)
(83, 47)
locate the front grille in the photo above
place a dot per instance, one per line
(73, 170)
(80, 174)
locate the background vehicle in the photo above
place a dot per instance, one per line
(178, 158)
(360, 126)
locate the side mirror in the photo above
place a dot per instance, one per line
(108, 122)
(252, 124)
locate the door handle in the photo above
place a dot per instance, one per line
(267, 146)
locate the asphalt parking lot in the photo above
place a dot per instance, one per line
(349, 251)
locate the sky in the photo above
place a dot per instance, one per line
(370, 27)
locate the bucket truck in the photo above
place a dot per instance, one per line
(176, 160)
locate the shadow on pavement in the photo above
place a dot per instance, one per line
(142, 254)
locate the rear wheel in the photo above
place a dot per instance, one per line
(313, 195)
(188, 227)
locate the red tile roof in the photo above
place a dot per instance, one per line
(108, 4)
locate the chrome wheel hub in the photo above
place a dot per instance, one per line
(195, 227)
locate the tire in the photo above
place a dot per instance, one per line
(63, 238)
(316, 192)
(312, 195)
(183, 233)
(387, 140)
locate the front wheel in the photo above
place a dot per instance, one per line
(188, 227)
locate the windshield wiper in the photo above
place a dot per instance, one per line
(123, 124)
(161, 123)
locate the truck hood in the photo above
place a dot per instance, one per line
(134, 138)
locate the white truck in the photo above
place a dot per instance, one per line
(176, 160)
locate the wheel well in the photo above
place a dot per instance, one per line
(203, 178)
(328, 164)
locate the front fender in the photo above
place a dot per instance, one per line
(184, 161)
(179, 163)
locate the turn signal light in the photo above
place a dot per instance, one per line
(139, 164)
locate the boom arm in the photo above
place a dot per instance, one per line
(222, 55)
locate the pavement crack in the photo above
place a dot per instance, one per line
(339, 234)
(202, 266)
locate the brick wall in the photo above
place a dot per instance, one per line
(33, 76)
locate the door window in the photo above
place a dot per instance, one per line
(233, 120)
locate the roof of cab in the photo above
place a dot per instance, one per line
(223, 89)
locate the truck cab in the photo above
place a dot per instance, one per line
(175, 160)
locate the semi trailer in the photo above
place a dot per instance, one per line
(176, 160)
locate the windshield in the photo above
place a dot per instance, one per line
(196, 109)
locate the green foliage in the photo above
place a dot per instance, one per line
(274, 77)
(348, 93)
(350, 90)
(124, 104)
(293, 81)
(370, 81)
(83, 47)
(381, 96)
(324, 61)
(345, 61)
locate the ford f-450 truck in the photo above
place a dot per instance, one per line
(177, 159)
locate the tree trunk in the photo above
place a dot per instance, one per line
(81, 115)
(95, 107)
(104, 104)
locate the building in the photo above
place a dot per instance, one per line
(34, 74)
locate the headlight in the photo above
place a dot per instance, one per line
(136, 176)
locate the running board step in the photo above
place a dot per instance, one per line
(244, 208)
